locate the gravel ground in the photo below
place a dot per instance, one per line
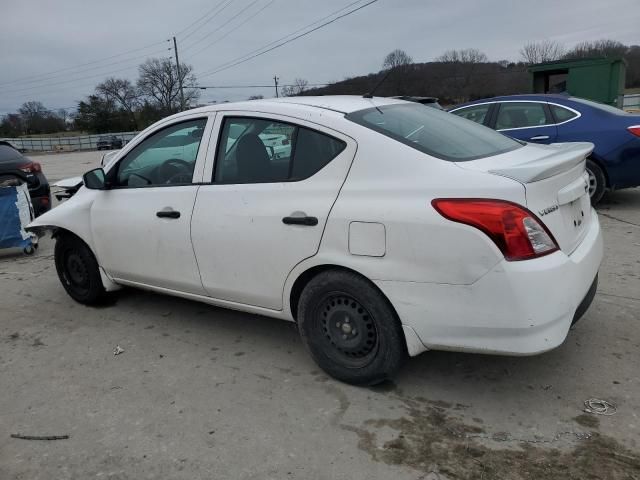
(202, 392)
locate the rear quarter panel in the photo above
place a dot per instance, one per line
(393, 184)
(616, 150)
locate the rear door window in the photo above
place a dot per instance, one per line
(475, 113)
(258, 150)
(437, 133)
(522, 115)
(562, 114)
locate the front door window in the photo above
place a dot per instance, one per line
(166, 157)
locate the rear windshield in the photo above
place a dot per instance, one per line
(599, 106)
(434, 132)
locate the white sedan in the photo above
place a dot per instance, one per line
(386, 230)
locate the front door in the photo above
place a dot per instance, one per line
(528, 121)
(273, 186)
(141, 226)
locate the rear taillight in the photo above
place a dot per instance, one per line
(635, 130)
(31, 167)
(515, 230)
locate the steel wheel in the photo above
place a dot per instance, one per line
(78, 270)
(348, 328)
(76, 273)
(593, 183)
(597, 181)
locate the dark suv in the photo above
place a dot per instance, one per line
(17, 169)
(110, 142)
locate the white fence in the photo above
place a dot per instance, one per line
(50, 144)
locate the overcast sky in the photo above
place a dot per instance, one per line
(40, 37)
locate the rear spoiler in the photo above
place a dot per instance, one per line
(564, 157)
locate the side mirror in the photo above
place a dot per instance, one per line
(94, 179)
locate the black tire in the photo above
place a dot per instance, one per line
(78, 270)
(597, 182)
(350, 329)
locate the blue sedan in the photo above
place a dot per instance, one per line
(615, 161)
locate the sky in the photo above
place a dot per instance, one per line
(56, 52)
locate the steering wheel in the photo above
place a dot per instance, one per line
(175, 171)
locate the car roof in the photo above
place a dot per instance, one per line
(336, 103)
(540, 97)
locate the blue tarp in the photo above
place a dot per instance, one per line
(12, 234)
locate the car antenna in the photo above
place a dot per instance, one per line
(370, 94)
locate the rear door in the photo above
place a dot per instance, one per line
(266, 206)
(528, 121)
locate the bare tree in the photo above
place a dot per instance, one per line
(63, 115)
(32, 114)
(395, 59)
(467, 55)
(598, 48)
(540, 52)
(297, 88)
(123, 93)
(159, 82)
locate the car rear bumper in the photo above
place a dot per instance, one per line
(517, 308)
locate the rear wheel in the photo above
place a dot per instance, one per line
(78, 270)
(350, 329)
(597, 182)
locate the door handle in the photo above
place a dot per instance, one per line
(540, 137)
(168, 214)
(306, 221)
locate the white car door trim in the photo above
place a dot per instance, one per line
(212, 150)
(578, 114)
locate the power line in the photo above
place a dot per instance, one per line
(242, 10)
(256, 86)
(209, 45)
(205, 18)
(296, 31)
(233, 63)
(126, 60)
(35, 87)
(22, 79)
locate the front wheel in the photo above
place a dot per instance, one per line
(78, 270)
(597, 182)
(350, 329)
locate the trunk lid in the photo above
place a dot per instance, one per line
(555, 182)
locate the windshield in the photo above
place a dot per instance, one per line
(434, 132)
(600, 106)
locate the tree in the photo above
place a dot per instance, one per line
(159, 82)
(540, 52)
(98, 114)
(395, 59)
(123, 93)
(467, 55)
(298, 87)
(598, 48)
(36, 118)
(12, 125)
(32, 114)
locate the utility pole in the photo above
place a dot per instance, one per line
(175, 49)
(275, 80)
